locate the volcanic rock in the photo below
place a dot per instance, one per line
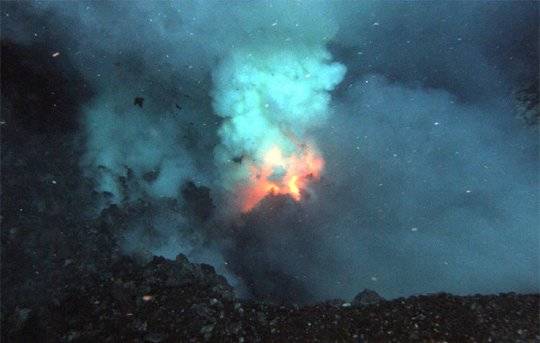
(366, 297)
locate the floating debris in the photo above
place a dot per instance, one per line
(148, 297)
(139, 101)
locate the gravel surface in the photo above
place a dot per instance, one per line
(171, 301)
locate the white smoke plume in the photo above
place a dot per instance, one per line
(270, 98)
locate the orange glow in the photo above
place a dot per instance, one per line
(278, 174)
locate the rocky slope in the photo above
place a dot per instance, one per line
(172, 301)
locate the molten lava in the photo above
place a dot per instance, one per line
(278, 174)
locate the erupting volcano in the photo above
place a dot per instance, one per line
(279, 174)
(271, 98)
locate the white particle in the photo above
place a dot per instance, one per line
(53, 182)
(376, 23)
(308, 75)
(436, 123)
(346, 305)
(374, 278)
(274, 23)
(414, 229)
(266, 105)
(468, 191)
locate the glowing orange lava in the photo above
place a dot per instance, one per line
(279, 174)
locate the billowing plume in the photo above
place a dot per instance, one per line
(270, 99)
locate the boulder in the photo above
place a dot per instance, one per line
(366, 297)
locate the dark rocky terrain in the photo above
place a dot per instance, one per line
(171, 301)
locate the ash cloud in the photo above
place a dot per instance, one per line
(430, 182)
